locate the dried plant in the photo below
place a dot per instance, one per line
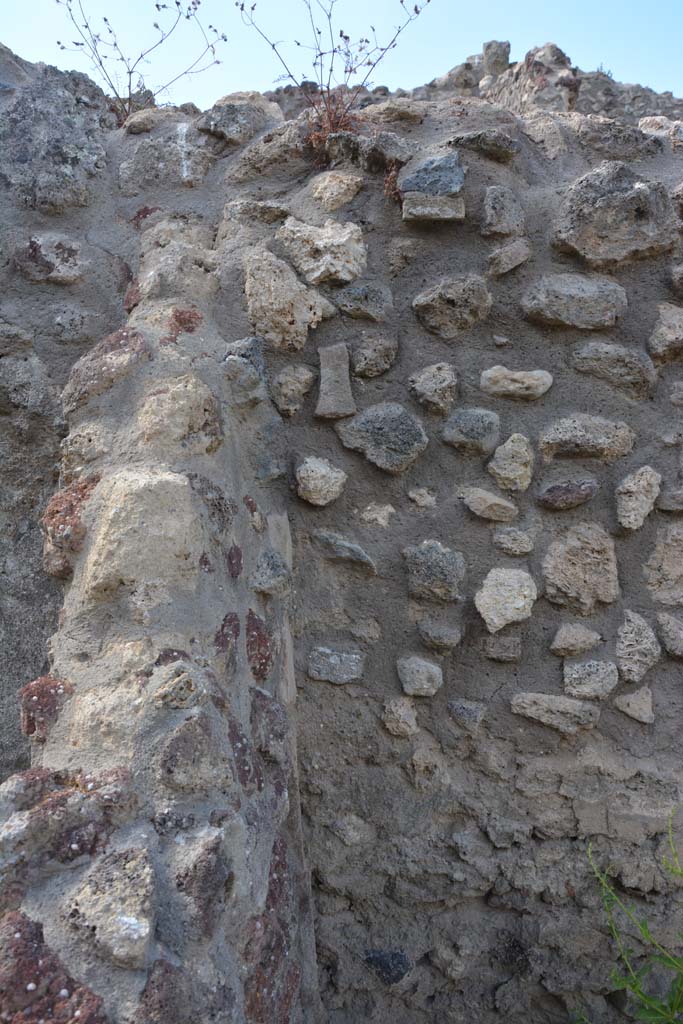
(123, 75)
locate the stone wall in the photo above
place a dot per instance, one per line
(367, 527)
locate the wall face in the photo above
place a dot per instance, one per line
(367, 525)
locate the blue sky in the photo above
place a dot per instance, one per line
(636, 42)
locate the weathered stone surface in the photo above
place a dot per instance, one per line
(418, 208)
(512, 465)
(335, 252)
(664, 568)
(487, 505)
(509, 256)
(637, 648)
(453, 305)
(590, 303)
(271, 574)
(334, 189)
(636, 497)
(524, 384)
(335, 666)
(110, 361)
(513, 541)
(630, 371)
(318, 481)
(387, 434)
(609, 216)
(440, 175)
(435, 387)
(374, 356)
(505, 596)
(589, 437)
(469, 714)
(561, 495)
(379, 152)
(340, 549)
(666, 341)
(435, 572)
(53, 259)
(475, 431)
(565, 714)
(366, 300)
(580, 569)
(590, 680)
(637, 705)
(671, 634)
(505, 649)
(236, 118)
(490, 142)
(399, 717)
(419, 677)
(439, 635)
(290, 387)
(572, 638)
(335, 399)
(280, 307)
(503, 214)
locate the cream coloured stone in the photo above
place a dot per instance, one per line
(637, 647)
(526, 384)
(180, 409)
(572, 638)
(580, 569)
(280, 307)
(512, 465)
(664, 568)
(636, 497)
(290, 387)
(505, 596)
(487, 505)
(588, 437)
(590, 680)
(637, 705)
(318, 481)
(565, 714)
(335, 252)
(333, 189)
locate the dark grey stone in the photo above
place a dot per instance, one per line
(339, 549)
(387, 434)
(435, 176)
(476, 431)
(435, 572)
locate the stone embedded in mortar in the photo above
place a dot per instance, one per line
(193, 761)
(64, 530)
(505, 596)
(245, 369)
(182, 411)
(418, 208)
(676, 279)
(271, 574)
(399, 717)
(475, 431)
(512, 465)
(390, 965)
(333, 189)
(366, 300)
(588, 437)
(664, 568)
(335, 666)
(513, 541)
(113, 910)
(318, 481)
(453, 305)
(610, 215)
(565, 714)
(671, 634)
(387, 434)
(589, 303)
(487, 505)
(335, 398)
(560, 495)
(435, 387)
(375, 153)
(505, 649)
(238, 117)
(580, 569)
(509, 256)
(40, 703)
(524, 384)
(335, 252)
(53, 259)
(572, 639)
(439, 635)
(636, 496)
(503, 213)
(631, 371)
(339, 549)
(590, 680)
(373, 356)
(468, 714)
(490, 142)
(665, 344)
(109, 362)
(419, 677)
(435, 572)
(181, 157)
(440, 175)
(637, 705)
(423, 497)
(289, 388)
(280, 308)
(637, 647)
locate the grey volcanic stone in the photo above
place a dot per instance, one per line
(575, 300)
(340, 549)
(366, 300)
(476, 431)
(587, 437)
(419, 677)
(496, 57)
(290, 387)
(590, 680)
(435, 572)
(630, 371)
(374, 356)
(442, 175)
(335, 666)
(438, 635)
(387, 434)
(565, 714)
(453, 305)
(666, 341)
(468, 714)
(435, 387)
(271, 574)
(513, 541)
(490, 142)
(610, 215)
(565, 494)
(335, 399)
(503, 214)
(506, 649)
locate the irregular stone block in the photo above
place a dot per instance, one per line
(512, 465)
(416, 207)
(505, 596)
(335, 398)
(318, 481)
(438, 635)
(637, 705)
(523, 384)
(64, 530)
(453, 305)
(340, 549)
(636, 497)
(666, 341)
(580, 569)
(55, 259)
(513, 541)
(366, 300)
(435, 387)
(419, 677)
(245, 369)
(290, 387)
(399, 717)
(508, 257)
(335, 252)
(575, 300)
(374, 356)
(335, 666)
(334, 189)
(637, 648)
(238, 117)
(671, 634)
(281, 309)
(390, 966)
(375, 153)
(181, 410)
(664, 568)
(487, 505)
(506, 649)
(490, 142)
(475, 431)
(632, 372)
(109, 362)
(589, 437)
(590, 680)
(270, 575)
(565, 714)
(572, 638)
(181, 158)
(610, 215)
(439, 175)
(435, 572)
(387, 434)
(503, 213)
(561, 495)
(469, 714)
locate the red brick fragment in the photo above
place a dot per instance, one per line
(40, 703)
(181, 321)
(260, 646)
(63, 527)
